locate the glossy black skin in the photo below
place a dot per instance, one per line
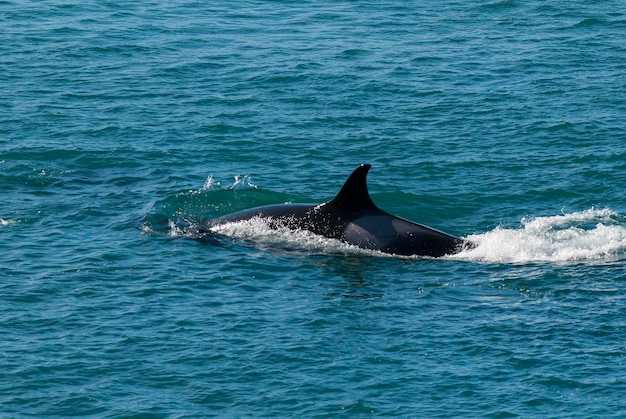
(353, 218)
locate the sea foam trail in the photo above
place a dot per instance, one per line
(580, 236)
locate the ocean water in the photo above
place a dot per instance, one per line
(124, 123)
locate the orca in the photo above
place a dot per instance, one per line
(353, 218)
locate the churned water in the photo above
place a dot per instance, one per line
(123, 123)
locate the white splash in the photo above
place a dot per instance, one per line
(210, 184)
(239, 183)
(580, 236)
(261, 233)
(243, 182)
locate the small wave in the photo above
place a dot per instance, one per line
(580, 236)
(590, 22)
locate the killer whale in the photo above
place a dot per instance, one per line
(352, 217)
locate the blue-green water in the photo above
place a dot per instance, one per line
(123, 122)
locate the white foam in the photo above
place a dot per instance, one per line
(259, 231)
(4, 222)
(580, 236)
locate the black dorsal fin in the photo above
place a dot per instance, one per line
(354, 196)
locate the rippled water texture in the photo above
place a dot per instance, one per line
(124, 124)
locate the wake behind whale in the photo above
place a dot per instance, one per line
(594, 235)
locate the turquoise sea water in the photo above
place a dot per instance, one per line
(123, 123)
